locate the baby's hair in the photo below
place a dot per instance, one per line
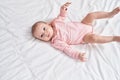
(34, 27)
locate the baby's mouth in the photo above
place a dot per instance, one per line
(48, 35)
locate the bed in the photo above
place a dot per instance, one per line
(23, 57)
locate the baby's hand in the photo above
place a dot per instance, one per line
(64, 6)
(67, 4)
(82, 57)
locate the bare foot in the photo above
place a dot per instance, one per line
(115, 11)
(117, 38)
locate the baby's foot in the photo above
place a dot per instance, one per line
(115, 11)
(117, 38)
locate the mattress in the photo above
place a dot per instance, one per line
(23, 57)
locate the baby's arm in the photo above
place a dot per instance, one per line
(68, 50)
(63, 10)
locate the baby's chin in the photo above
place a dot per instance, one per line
(47, 40)
(50, 39)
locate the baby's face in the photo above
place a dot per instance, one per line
(44, 31)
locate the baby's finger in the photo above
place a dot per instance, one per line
(84, 59)
(67, 4)
(83, 54)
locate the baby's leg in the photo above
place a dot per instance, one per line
(93, 38)
(99, 15)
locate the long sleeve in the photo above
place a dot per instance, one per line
(67, 49)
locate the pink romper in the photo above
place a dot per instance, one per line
(68, 33)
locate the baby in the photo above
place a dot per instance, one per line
(62, 34)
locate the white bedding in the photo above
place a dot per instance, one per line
(24, 58)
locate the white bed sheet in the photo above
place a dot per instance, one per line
(24, 58)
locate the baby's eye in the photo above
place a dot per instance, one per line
(44, 28)
(41, 36)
